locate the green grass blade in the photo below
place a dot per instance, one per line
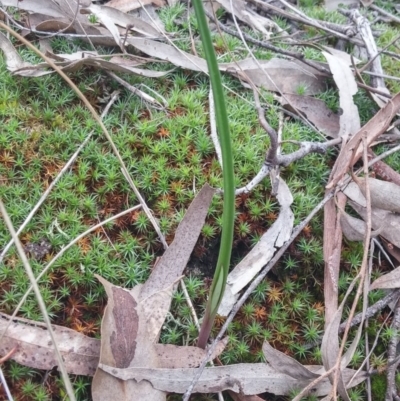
(221, 272)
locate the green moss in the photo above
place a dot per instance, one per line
(378, 387)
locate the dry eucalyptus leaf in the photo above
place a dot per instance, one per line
(284, 76)
(254, 20)
(125, 20)
(347, 85)
(330, 351)
(332, 249)
(175, 356)
(388, 280)
(262, 252)
(13, 59)
(171, 265)
(352, 151)
(315, 111)
(55, 25)
(76, 61)
(102, 14)
(129, 5)
(35, 349)
(247, 378)
(81, 353)
(332, 5)
(352, 228)
(384, 195)
(46, 7)
(283, 363)
(387, 223)
(124, 343)
(169, 53)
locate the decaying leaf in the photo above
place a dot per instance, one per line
(114, 17)
(347, 85)
(384, 195)
(386, 222)
(371, 130)
(124, 343)
(34, 346)
(332, 254)
(129, 5)
(157, 289)
(283, 363)
(315, 111)
(247, 378)
(388, 280)
(284, 76)
(330, 351)
(353, 228)
(13, 59)
(72, 62)
(80, 353)
(52, 8)
(262, 252)
(332, 5)
(248, 16)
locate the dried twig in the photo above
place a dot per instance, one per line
(391, 354)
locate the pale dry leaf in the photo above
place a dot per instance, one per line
(384, 195)
(352, 151)
(124, 343)
(315, 111)
(55, 25)
(45, 7)
(262, 252)
(284, 76)
(247, 378)
(156, 292)
(254, 20)
(283, 363)
(168, 53)
(76, 61)
(127, 20)
(330, 352)
(332, 254)
(80, 353)
(174, 356)
(13, 59)
(387, 281)
(346, 57)
(102, 14)
(35, 349)
(129, 5)
(353, 228)
(347, 85)
(242, 397)
(386, 223)
(332, 5)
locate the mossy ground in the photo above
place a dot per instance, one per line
(170, 155)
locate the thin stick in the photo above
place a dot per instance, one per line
(5, 385)
(42, 306)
